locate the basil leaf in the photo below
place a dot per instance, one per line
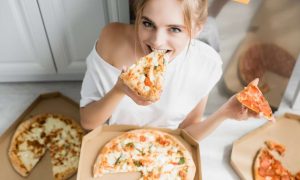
(131, 145)
(181, 160)
(118, 160)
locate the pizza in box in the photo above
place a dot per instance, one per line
(56, 133)
(153, 153)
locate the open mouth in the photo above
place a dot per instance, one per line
(166, 51)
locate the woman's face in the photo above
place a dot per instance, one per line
(162, 27)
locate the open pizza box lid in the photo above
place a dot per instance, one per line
(96, 139)
(45, 103)
(285, 131)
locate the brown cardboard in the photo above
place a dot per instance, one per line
(50, 103)
(274, 22)
(95, 140)
(285, 131)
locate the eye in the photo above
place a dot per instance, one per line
(175, 30)
(147, 24)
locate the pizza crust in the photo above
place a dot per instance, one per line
(256, 165)
(15, 161)
(66, 174)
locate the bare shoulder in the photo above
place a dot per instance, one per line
(112, 40)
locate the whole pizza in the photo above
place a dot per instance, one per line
(153, 153)
(59, 134)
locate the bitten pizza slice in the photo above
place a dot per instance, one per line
(145, 77)
(157, 155)
(252, 98)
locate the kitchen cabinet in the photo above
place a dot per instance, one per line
(44, 40)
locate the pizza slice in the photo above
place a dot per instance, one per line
(252, 98)
(266, 167)
(157, 155)
(145, 77)
(272, 145)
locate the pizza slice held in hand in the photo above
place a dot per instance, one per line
(145, 77)
(252, 98)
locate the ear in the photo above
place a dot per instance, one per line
(197, 30)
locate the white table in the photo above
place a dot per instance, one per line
(216, 148)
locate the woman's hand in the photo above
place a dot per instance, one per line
(120, 86)
(235, 110)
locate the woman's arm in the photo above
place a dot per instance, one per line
(195, 115)
(98, 112)
(231, 109)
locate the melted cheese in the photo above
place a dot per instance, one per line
(63, 139)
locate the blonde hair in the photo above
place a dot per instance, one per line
(194, 12)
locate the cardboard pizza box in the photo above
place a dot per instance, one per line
(46, 103)
(285, 131)
(96, 139)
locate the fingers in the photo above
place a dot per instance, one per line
(138, 99)
(124, 69)
(141, 101)
(255, 81)
(244, 113)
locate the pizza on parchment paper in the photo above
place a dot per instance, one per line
(156, 154)
(145, 77)
(59, 134)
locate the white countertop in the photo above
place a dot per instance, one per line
(216, 149)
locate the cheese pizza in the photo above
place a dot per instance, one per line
(252, 98)
(59, 134)
(156, 154)
(145, 77)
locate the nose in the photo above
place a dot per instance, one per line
(159, 38)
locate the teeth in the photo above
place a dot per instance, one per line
(159, 50)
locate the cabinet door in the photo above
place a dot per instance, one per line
(73, 26)
(24, 49)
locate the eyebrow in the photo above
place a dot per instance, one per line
(170, 25)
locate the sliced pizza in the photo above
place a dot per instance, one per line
(252, 98)
(266, 167)
(59, 134)
(272, 145)
(145, 77)
(156, 154)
